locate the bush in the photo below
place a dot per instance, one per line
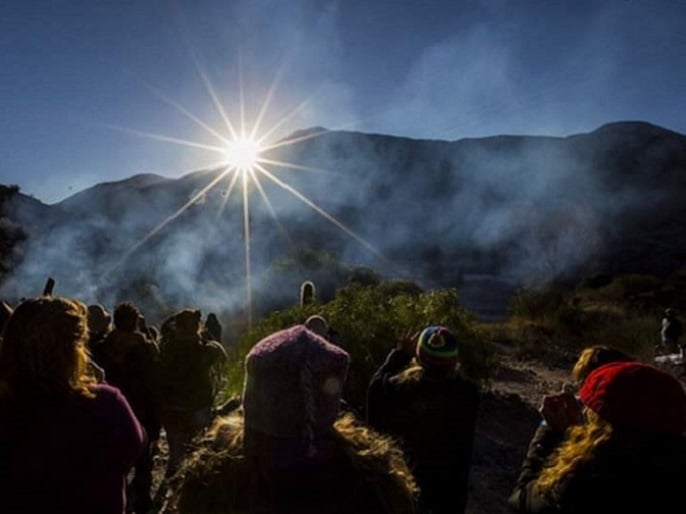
(626, 287)
(537, 304)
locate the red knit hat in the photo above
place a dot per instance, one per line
(636, 395)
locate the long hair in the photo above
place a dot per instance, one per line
(579, 446)
(43, 350)
(219, 475)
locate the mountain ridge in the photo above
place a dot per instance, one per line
(530, 209)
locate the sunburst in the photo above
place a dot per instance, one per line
(243, 154)
(244, 162)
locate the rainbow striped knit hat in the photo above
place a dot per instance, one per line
(437, 347)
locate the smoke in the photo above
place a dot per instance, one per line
(531, 210)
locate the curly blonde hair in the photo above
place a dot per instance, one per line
(218, 474)
(43, 350)
(579, 446)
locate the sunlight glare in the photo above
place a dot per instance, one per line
(242, 154)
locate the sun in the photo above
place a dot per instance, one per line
(245, 162)
(243, 154)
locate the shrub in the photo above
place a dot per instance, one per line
(537, 304)
(369, 320)
(626, 287)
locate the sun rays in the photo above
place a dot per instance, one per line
(245, 164)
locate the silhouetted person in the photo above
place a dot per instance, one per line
(670, 331)
(621, 448)
(66, 443)
(431, 407)
(99, 325)
(189, 371)
(130, 361)
(213, 328)
(287, 451)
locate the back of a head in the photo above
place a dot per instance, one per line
(188, 322)
(637, 397)
(595, 356)
(437, 349)
(126, 316)
(98, 319)
(318, 325)
(43, 347)
(293, 385)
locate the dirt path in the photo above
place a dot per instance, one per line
(508, 418)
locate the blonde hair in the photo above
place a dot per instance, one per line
(214, 476)
(579, 446)
(595, 356)
(43, 350)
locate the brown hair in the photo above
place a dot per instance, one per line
(43, 350)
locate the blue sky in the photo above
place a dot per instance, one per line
(79, 77)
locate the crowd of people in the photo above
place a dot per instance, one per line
(86, 397)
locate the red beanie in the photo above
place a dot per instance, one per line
(636, 395)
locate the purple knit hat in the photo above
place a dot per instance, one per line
(293, 383)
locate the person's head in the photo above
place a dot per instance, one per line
(188, 322)
(595, 356)
(437, 349)
(318, 325)
(293, 384)
(126, 316)
(43, 350)
(99, 319)
(670, 313)
(213, 327)
(621, 399)
(636, 396)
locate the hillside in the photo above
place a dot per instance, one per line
(500, 211)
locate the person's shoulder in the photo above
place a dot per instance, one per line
(106, 392)
(466, 384)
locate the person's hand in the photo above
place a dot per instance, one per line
(407, 342)
(561, 410)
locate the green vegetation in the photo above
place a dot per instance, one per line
(554, 323)
(368, 320)
(551, 324)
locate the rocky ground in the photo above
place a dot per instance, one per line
(507, 420)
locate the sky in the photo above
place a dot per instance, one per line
(99, 90)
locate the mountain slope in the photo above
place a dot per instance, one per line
(519, 208)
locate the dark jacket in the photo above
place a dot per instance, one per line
(130, 361)
(188, 373)
(434, 416)
(631, 473)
